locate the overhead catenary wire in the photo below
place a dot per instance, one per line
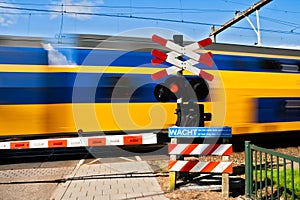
(150, 7)
(294, 26)
(177, 10)
(272, 9)
(64, 11)
(124, 7)
(279, 21)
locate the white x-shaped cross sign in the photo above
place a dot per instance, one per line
(172, 57)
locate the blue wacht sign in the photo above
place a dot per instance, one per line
(200, 132)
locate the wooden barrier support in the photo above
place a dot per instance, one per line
(172, 174)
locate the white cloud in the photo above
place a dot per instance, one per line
(76, 6)
(56, 58)
(8, 16)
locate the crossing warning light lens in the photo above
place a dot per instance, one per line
(174, 88)
(200, 88)
(178, 87)
(171, 89)
(162, 93)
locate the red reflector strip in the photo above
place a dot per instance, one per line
(171, 164)
(161, 55)
(206, 59)
(57, 143)
(97, 141)
(156, 61)
(228, 152)
(131, 140)
(159, 75)
(209, 167)
(19, 145)
(159, 40)
(205, 42)
(229, 169)
(206, 76)
(189, 149)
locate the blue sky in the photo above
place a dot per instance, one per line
(279, 19)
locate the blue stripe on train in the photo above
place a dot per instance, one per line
(70, 79)
(39, 56)
(278, 109)
(67, 95)
(47, 88)
(44, 88)
(23, 55)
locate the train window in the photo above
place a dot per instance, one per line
(289, 68)
(271, 65)
(292, 104)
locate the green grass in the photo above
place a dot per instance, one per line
(261, 176)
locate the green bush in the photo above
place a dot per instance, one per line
(261, 176)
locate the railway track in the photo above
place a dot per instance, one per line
(41, 155)
(59, 154)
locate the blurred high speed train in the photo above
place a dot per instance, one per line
(103, 84)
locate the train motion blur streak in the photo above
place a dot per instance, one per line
(262, 88)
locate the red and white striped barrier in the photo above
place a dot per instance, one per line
(200, 149)
(133, 139)
(196, 166)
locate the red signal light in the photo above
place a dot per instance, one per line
(171, 89)
(174, 88)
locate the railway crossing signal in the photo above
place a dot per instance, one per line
(177, 51)
(177, 87)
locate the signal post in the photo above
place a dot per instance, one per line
(178, 39)
(190, 116)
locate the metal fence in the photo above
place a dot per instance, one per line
(270, 174)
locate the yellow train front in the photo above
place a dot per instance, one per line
(103, 84)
